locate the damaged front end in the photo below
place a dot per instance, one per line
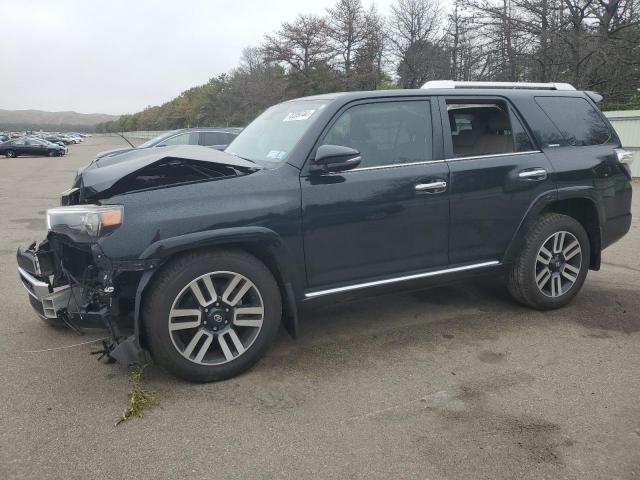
(70, 280)
(74, 285)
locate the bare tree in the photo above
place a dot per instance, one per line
(257, 82)
(464, 44)
(415, 34)
(346, 31)
(303, 47)
(368, 69)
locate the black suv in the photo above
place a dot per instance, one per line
(197, 255)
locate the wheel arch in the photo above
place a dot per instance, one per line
(580, 204)
(263, 243)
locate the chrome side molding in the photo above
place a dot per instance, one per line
(404, 278)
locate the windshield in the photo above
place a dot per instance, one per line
(270, 137)
(154, 140)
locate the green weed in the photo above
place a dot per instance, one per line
(140, 399)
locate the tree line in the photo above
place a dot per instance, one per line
(592, 44)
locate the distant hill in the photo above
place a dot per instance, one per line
(39, 119)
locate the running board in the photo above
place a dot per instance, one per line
(404, 278)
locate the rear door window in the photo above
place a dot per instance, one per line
(209, 139)
(182, 139)
(479, 129)
(579, 123)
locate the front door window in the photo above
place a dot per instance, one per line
(386, 133)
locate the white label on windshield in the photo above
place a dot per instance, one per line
(298, 116)
(276, 154)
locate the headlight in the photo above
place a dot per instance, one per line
(85, 223)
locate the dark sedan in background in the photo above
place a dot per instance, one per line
(216, 138)
(30, 146)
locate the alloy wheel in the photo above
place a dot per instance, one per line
(558, 264)
(216, 318)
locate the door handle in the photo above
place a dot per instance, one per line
(533, 174)
(438, 186)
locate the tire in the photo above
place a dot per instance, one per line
(52, 153)
(550, 244)
(10, 154)
(202, 345)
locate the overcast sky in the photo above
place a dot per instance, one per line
(119, 56)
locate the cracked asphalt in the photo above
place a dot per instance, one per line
(453, 383)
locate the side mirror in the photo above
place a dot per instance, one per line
(335, 158)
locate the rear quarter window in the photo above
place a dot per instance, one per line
(577, 120)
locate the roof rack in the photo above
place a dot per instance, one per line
(514, 85)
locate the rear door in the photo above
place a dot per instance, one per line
(496, 174)
(391, 214)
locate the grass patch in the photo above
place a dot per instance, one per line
(140, 399)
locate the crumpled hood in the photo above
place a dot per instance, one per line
(113, 151)
(100, 176)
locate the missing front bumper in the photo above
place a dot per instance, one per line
(85, 298)
(49, 303)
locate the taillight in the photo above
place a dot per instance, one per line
(625, 157)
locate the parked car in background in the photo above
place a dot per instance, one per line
(217, 138)
(4, 138)
(70, 138)
(30, 146)
(54, 139)
(46, 140)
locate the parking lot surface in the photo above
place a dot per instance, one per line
(453, 383)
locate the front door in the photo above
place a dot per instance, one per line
(388, 216)
(496, 174)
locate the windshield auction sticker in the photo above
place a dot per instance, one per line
(298, 116)
(276, 154)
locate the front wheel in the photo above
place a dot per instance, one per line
(553, 263)
(10, 154)
(212, 315)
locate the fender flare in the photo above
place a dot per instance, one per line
(262, 238)
(545, 199)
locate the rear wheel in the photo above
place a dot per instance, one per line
(210, 316)
(553, 263)
(10, 153)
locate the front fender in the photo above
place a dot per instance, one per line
(262, 241)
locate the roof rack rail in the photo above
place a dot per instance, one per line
(514, 85)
